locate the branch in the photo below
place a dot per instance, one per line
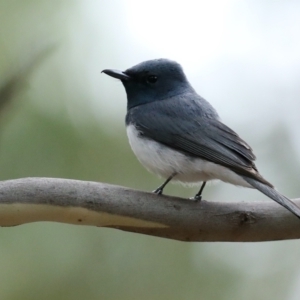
(97, 204)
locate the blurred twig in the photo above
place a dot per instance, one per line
(12, 85)
(89, 203)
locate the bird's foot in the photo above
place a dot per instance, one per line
(197, 198)
(158, 191)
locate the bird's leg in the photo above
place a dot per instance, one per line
(160, 189)
(198, 196)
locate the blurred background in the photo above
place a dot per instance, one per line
(60, 117)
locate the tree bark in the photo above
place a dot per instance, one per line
(97, 204)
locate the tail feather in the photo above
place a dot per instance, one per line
(273, 194)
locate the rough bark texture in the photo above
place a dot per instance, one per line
(98, 204)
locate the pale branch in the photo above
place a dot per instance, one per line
(97, 204)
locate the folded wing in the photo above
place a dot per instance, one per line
(197, 136)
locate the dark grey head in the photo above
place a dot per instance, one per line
(152, 80)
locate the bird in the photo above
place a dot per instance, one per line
(178, 135)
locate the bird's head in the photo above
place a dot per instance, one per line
(152, 80)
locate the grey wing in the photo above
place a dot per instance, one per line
(201, 137)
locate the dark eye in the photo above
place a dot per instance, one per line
(151, 78)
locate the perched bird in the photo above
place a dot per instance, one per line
(178, 135)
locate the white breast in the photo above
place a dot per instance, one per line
(164, 161)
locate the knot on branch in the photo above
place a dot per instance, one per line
(246, 218)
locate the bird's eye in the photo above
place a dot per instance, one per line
(151, 78)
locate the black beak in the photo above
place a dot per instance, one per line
(116, 74)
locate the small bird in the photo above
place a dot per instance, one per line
(178, 135)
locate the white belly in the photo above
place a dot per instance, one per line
(164, 161)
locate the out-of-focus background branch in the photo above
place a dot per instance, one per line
(13, 83)
(63, 119)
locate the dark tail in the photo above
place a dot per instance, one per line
(276, 196)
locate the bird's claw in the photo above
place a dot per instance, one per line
(158, 191)
(197, 198)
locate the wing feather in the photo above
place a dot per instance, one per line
(195, 135)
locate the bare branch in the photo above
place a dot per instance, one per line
(97, 204)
